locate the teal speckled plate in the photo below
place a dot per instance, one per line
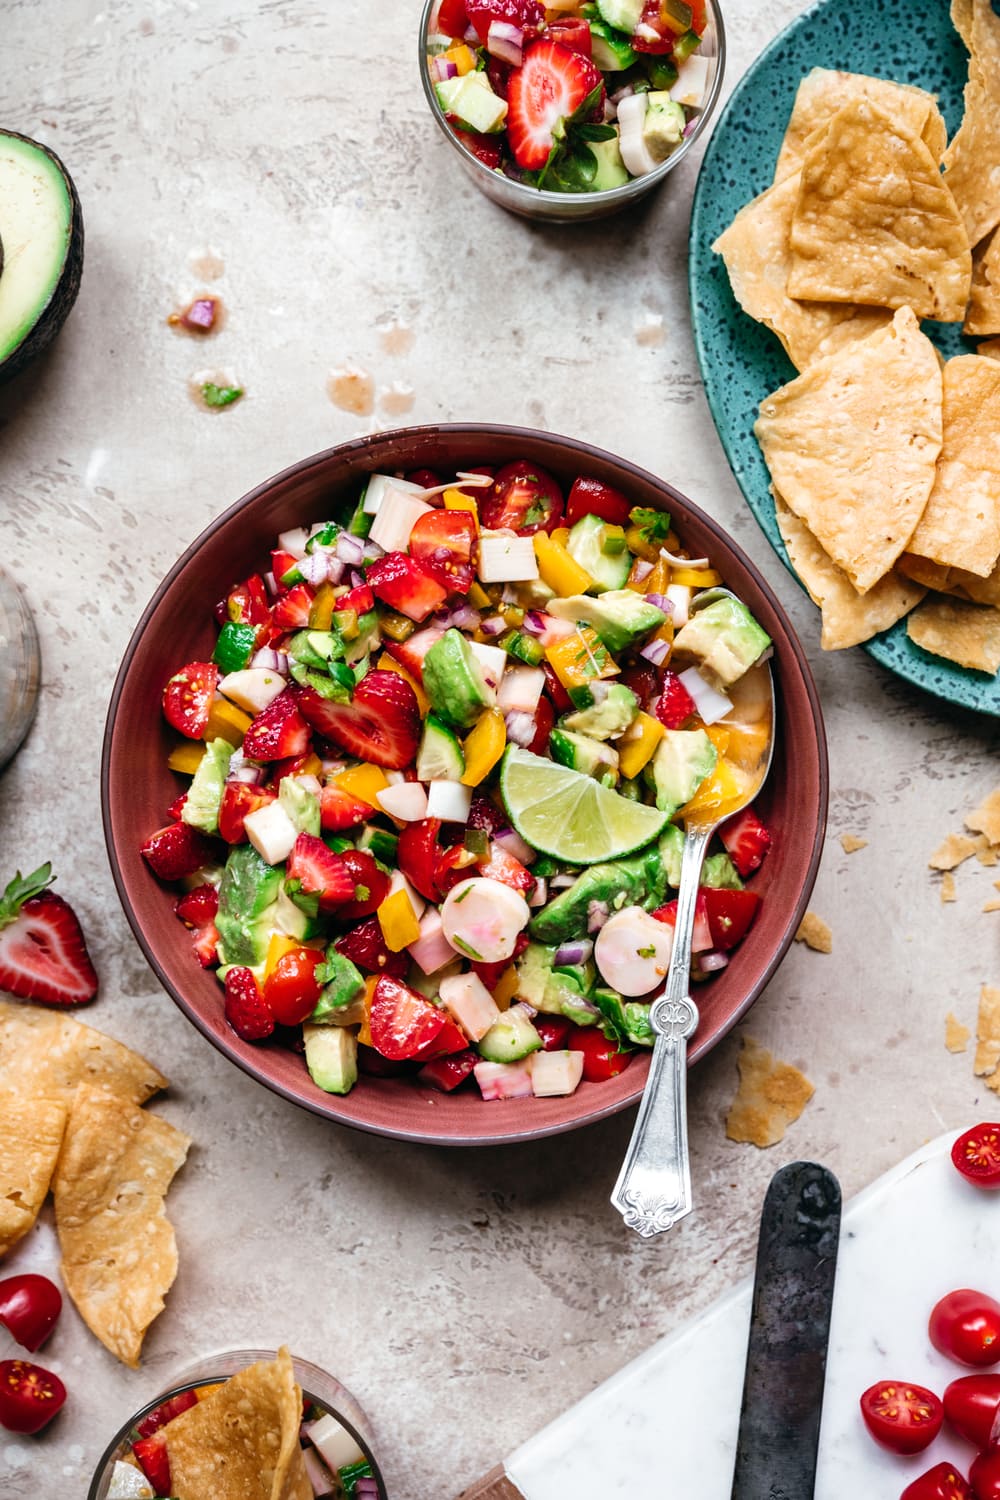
(741, 361)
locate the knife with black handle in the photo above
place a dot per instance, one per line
(789, 1331)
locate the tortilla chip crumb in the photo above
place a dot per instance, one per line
(956, 848)
(986, 818)
(771, 1096)
(988, 855)
(815, 933)
(956, 1036)
(993, 905)
(850, 843)
(988, 1034)
(948, 891)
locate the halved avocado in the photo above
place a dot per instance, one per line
(41, 249)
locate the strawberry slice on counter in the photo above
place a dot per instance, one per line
(548, 87)
(746, 840)
(278, 732)
(320, 872)
(381, 724)
(43, 953)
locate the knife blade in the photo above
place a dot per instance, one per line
(789, 1332)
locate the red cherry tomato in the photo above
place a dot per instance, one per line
(601, 1058)
(545, 718)
(976, 1154)
(553, 1031)
(971, 1404)
(966, 1325)
(523, 498)
(431, 868)
(442, 542)
(187, 698)
(29, 1396)
(29, 1307)
(984, 1476)
(589, 497)
(367, 877)
(291, 990)
(905, 1418)
(730, 915)
(943, 1482)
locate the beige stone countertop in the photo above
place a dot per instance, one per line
(468, 1296)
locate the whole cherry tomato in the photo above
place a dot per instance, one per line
(984, 1476)
(29, 1307)
(29, 1396)
(966, 1325)
(903, 1417)
(943, 1482)
(976, 1154)
(971, 1404)
(367, 877)
(601, 1058)
(291, 990)
(524, 498)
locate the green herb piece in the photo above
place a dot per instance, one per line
(653, 525)
(220, 395)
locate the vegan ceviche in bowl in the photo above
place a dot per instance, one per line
(423, 782)
(572, 110)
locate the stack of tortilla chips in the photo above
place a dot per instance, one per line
(885, 465)
(70, 1119)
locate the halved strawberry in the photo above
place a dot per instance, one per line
(150, 1453)
(245, 1007)
(43, 954)
(410, 654)
(279, 731)
(339, 809)
(675, 705)
(199, 906)
(405, 586)
(238, 799)
(205, 942)
(176, 851)
(360, 599)
(187, 698)
(527, 15)
(549, 86)
(746, 840)
(381, 724)
(365, 946)
(291, 612)
(320, 872)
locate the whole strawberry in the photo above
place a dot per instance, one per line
(43, 954)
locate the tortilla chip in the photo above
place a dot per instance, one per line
(986, 818)
(987, 1033)
(949, 891)
(953, 852)
(968, 634)
(956, 1036)
(952, 580)
(852, 446)
(848, 617)
(823, 91)
(756, 251)
(48, 1053)
(993, 904)
(850, 843)
(990, 349)
(771, 1096)
(989, 855)
(874, 222)
(961, 19)
(983, 315)
(972, 160)
(815, 933)
(119, 1255)
(960, 527)
(31, 1132)
(242, 1441)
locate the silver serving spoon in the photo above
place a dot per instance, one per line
(653, 1190)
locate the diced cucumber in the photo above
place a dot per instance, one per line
(510, 1038)
(612, 51)
(524, 647)
(601, 550)
(623, 15)
(440, 757)
(581, 753)
(686, 46)
(380, 843)
(234, 647)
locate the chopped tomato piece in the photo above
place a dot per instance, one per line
(188, 696)
(442, 542)
(601, 1059)
(524, 498)
(591, 497)
(730, 915)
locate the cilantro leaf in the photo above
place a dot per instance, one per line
(220, 395)
(653, 525)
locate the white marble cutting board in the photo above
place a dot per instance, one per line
(671, 1416)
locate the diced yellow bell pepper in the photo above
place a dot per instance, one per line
(365, 1032)
(186, 757)
(363, 781)
(723, 790)
(580, 658)
(719, 734)
(636, 753)
(322, 608)
(279, 945)
(398, 921)
(484, 746)
(506, 988)
(463, 57)
(387, 663)
(226, 722)
(560, 534)
(455, 500)
(665, 633)
(478, 597)
(696, 578)
(558, 569)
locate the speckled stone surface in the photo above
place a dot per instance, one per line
(465, 1297)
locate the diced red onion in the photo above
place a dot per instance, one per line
(535, 622)
(764, 656)
(246, 773)
(373, 551)
(515, 845)
(271, 660)
(598, 913)
(711, 962)
(366, 1488)
(622, 93)
(322, 1481)
(443, 68)
(357, 579)
(521, 728)
(506, 42)
(540, 894)
(610, 111)
(655, 651)
(563, 881)
(471, 36)
(465, 617)
(711, 705)
(350, 549)
(321, 567)
(201, 314)
(574, 953)
(641, 569)
(691, 126)
(660, 601)
(493, 625)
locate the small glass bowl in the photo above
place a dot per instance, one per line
(317, 1385)
(543, 205)
(20, 668)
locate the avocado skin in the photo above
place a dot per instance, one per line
(52, 317)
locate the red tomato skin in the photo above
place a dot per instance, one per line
(943, 1482)
(976, 1155)
(29, 1396)
(29, 1307)
(545, 718)
(553, 1031)
(984, 1476)
(971, 1404)
(441, 542)
(431, 868)
(187, 698)
(965, 1325)
(590, 497)
(574, 33)
(601, 1058)
(730, 915)
(901, 1416)
(452, 21)
(562, 701)
(520, 489)
(183, 1401)
(291, 990)
(364, 872)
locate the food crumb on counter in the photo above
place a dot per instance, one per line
(850, 843)
(815, 933)
(956, 1036)
(993, 905)
(948, 888)
(352, 390)
(956, 848)
(771, 1096)
(987, 1057)
(986, 818)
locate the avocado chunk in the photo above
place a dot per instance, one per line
(621, 617)
(248, 888)
(611, 170)
(683, 759)
(41, 254)
(719, 872)
(612, 711)
(473, 103)
(201, 809)
(534, 968)
(663, 126)
(723, 639)
(453, 679)
(301, 804)
(623, 1020)
(581, 753)
(672, 852)
(331, 1057)
(637, 881)
(600, 548)
(510, 1038)
(342, 984)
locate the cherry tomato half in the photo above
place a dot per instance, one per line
(523, 498)
(971, 1404)
(187, 698)
(589, 497)
(976, 1154)
(966, 1325)
(430, 867)
(601, 1058)
(291, 990)
(730, 915)
(29, 1307)
(29, 1396)
(903, 1417)
(367, 877)
(984, 1476)
(943, 1482)
(442, 542)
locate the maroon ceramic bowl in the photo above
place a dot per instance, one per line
(178, 627)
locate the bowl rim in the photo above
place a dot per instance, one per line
(628, 192)
(357, 448)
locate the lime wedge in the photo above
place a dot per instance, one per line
(570, 816)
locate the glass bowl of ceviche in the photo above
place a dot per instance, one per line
(395, 770)
(576, 110)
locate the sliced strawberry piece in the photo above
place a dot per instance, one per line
(361, 600)
(675, 705)
(486, 148)
(497, 864)
(198, 907)
(295, 765)
(205, 942)
(529, 15)
(746, 840)
(404, 585)
(449, 1073)
(150, 1453)
(176, 851)
(365, 946)
(485, 814)
(549, 86)
(246, 604)
(177, 807)
(166, 1413)
(338, 809)
(43, 954)
(701, 939)
(573, 32)
(410, 654)
(291, 611)
(731, 914)
(187, 698)
(238, 799)
(381, 724)
(245, 1008)
(320, 872)
(279, 731)
(403, 1023)
(282, 563)
(451, 20)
